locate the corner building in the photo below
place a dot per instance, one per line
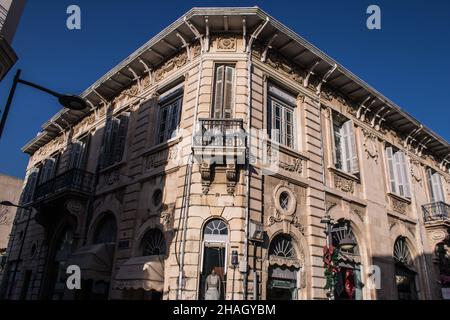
(221, 144)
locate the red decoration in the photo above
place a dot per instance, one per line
(349, 285)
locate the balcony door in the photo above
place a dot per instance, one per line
(223, 92)
(435, 185)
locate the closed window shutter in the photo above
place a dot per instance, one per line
(405, 175)
(28, 190)
(121, 136)
(439, 187)
(228, 92)
(346, 143)
(75, 151)
(218, 98)
(48, 170)
(391, 169)
(354, 167)
(399, 173)
(435, 183)
(106, 143)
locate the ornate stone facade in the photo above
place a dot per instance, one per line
(168, 202)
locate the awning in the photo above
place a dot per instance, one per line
(95, 261)
(145, 272)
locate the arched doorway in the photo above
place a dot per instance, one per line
(96, 260)
(405, 276)
(348, 285)
(214, 258)
(284, 267)
(63, 249)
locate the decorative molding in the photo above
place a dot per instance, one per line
(231, 174)
(289, 214)
(296, 165)
(329, 205)
(415, 171)
(167, 216)
(171, 65)
(370, 145)
(226, 43)
(399, 205)
(205, 172)
(343, 184)
(359, 214)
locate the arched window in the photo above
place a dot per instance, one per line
(283, 269)
(106, 230)
(405, 276)
(281, 246)
(401, 251)
(214, 258)
(153, 243)
(348, 285)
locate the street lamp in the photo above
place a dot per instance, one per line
(29, 209)
(68, 101)
(234, 263)
(347, 243)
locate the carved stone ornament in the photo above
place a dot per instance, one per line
(226, 43)
(205, 172)
(370, 145)
(285, 207)
(231, 174)
(399, 206)
(343, 184)
(296, 165)
(173, 64)
(415, 171)
(167, 216)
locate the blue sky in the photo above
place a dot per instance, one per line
(407, 60)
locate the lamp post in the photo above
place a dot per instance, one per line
(29, 209)
(234, 263)
(346, 244)
(69, 101)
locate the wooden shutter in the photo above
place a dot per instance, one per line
(346, 146)
(75, 151)
(121, 136)
(338, 143)
(391, 169)
(228, 92)
(218, 92)
(354, 167)
(406, 173)
(30, 185)
(435, 183)
(106, 143)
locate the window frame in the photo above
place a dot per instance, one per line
(115, 134)
(223, 80)
(398, 172)
(348, 152)
(281, 135)
(174, 101)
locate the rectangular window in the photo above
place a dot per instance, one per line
(223, 92)
(78, 150)
(30, 185)
(345, 155)
(114, 139)
(169, 118)
(435, 186)
(398, 172)
(281, 115)
(48, 170)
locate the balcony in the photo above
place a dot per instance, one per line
(218, 138)
(75, 181)
(436, 211)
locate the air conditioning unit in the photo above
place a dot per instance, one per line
(256, 231)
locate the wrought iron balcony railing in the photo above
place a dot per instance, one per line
(74, 180)
(436, 211)
(220, 133)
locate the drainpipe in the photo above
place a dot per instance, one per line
(319, 97)
(186, 196)
(247, 158)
